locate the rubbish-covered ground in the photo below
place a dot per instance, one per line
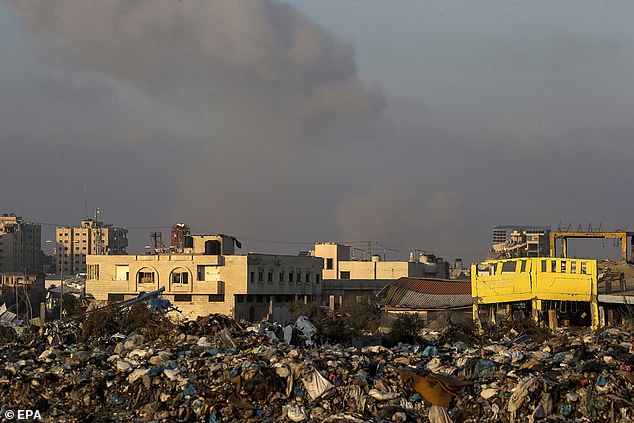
(137, 366)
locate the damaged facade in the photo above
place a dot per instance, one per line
(208, 277)
(553, 290)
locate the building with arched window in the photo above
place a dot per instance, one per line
(209, 277)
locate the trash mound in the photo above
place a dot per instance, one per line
(217, 370)
(138, 317)
(7, 335)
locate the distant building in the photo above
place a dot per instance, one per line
(338, 264)
(209, 277)
(91, 237)
(520, 241)
(20, 245)
(346, 279)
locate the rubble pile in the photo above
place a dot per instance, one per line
(217, 370)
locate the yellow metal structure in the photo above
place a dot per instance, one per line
(535, 280)
(565, 235)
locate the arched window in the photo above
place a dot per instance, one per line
(180, 276)
(146, 275)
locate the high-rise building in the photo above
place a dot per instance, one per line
(20, 245)
(91, 238)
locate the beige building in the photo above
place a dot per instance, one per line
(208, 277)
(20, 245)
(338, 264)
(92, 237)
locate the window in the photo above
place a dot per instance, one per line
(281, 277)
(252, 277)
(260, 275)
(307, 277)
(299, 277)
(509, 267)
(180, 276)
(583, 267)
(122, 272)
(523, 269)
(92, 272)
(553, 266)
(291, 276)
(573, 267)
(269, 277)
(344, 274)
(216, 298)
(563, 267)
(182, 298)
(317, 279)
(145, 276)
(544, 265)
(329, 264)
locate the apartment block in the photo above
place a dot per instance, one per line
(74, 244)
(20, 245)
(209, 277)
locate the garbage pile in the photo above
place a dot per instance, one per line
(215, 369)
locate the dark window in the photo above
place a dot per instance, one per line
(239, 298)
(270, 277)
(182, 298)
(252, 277)
(188, 242)
(260, 275)
(307, 277)
(115, 297)
(299, 277)
(317, 279)
(216, 298)
(249, 298)
(509, 266)
(345, 274)
(212, 248)
(258, 298)
(281, 276)
(291, 276)
(200, 270)
(553, 266)
(329, 263)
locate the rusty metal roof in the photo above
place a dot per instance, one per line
(426, 293)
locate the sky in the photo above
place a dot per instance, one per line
(406, 125)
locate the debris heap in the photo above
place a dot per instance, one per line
(138, 366)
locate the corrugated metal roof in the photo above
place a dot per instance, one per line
(422, 293)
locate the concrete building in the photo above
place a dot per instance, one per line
(519, 241)
(91, 237)
(20, 245)
(209, 277)
(338, 264)
(541, 288)
(346, 279)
